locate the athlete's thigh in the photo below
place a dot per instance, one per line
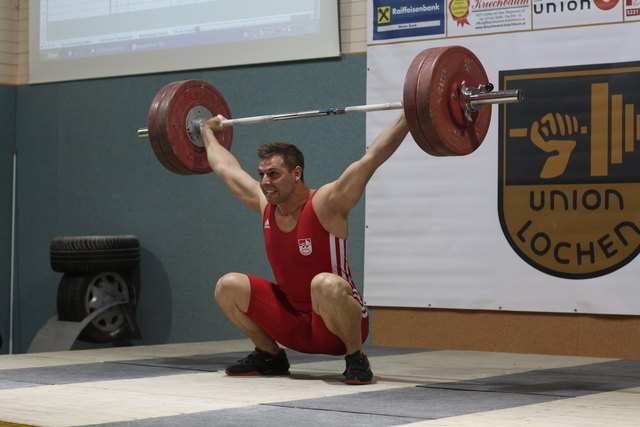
(271, 310)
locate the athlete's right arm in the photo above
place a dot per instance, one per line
(226, 166)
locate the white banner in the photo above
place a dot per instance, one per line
(545, 214)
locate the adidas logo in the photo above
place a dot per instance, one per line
(266, 224)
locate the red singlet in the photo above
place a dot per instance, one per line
(284, 309)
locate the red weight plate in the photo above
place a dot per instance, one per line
(172, 162)
(424, 83)
(179, 150)
(410, 100)
(152, 127)
(441, 118)
(438, 94)
(409, 103)
(175, 143)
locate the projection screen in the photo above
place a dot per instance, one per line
(81, 39)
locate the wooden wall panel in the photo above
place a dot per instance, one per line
(9, 41)
(511, 332)
(353, 26)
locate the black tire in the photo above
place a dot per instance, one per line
(91, 254)
(81, 295)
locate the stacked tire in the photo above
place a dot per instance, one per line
(98, 271)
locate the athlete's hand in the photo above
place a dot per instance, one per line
(215, 123)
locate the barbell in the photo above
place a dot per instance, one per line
(445, 90)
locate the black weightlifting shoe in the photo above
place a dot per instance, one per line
(358, 370)
(261, 363)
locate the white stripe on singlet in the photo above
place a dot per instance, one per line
(340, 267)
(334, 255)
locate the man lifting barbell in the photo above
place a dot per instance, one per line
(314, 306)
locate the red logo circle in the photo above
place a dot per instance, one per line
(605, 4)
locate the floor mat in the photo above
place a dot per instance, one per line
(269, 416)
(145, 368)
(219, 361)
(417, 402)
(71, 374)
(561, 382)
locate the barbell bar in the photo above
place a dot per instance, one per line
(444, 95)
(473, 99)
(144, 132)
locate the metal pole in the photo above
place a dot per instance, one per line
(13, 250)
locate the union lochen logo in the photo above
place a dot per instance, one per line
(569, 168)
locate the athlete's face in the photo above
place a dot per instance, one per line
(276, 180)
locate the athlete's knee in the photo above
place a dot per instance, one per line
(232, 286)
(329, 287)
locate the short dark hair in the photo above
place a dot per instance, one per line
(291, 155)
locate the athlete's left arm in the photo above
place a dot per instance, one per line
(340, 196)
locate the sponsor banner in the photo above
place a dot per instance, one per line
(569, 175)
(465, 17)
(545, 215)
(565, 13)
(406, 20)
(632, 10)
(396, 19)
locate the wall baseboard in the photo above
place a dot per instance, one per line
(589, 335)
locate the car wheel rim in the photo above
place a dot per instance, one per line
(106, 289)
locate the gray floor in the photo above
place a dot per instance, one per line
(184, 384)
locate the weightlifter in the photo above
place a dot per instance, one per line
(314, 306)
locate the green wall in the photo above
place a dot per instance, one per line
(83, 171)
(7, 147)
